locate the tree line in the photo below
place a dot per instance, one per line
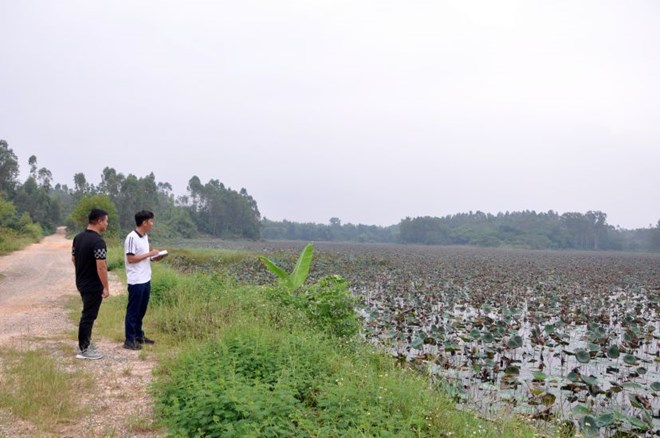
(525, 229)
(529, 229)
(38, 205)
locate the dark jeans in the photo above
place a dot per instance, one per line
(138, 300)
(91, 305)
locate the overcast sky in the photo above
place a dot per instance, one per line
(369, 111)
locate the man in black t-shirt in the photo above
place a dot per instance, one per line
(89, 257)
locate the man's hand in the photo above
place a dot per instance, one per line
(105, 293)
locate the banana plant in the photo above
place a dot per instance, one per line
(293, 280)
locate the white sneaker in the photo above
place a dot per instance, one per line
(89, 353)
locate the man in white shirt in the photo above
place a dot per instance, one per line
(137, 259)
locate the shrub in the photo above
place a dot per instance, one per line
(11, 240)
(30, 229)
(251, 383)
(78, 217)
(330, 304)
(257, 381)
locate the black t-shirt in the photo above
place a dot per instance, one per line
(88, 247)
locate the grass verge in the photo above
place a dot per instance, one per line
(11, 241)
(35, 389)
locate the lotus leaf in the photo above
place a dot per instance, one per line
(590, 380)
(582, 356)
(589, 424)
(573, 376)
(630, 359)
(515, 341)
(613, 352)
(655, 386)
(548, 399)
(417, 343)
(605, 420)
(581, 410)
(593, 347)
(639, 401)
(636, 423)
(539, 376)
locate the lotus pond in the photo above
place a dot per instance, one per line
(566, 337)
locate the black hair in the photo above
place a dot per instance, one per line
(142, 216)
(96, 214)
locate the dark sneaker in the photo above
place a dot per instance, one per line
(145, 340)
(89, 353)
(132, 345)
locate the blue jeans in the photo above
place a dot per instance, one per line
(138, 300)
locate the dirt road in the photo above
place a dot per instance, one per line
(35, 285)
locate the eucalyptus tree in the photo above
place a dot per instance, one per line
(221, 211)
(8, 168)
(111, 182)
(32, 162)
(35, 200)
(78, 217)
(80, 186)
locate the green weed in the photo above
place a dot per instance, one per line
(35, 389)
(260, 361)
(11, 240)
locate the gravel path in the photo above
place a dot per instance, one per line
(35, 285)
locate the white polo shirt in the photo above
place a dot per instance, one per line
(136, 244)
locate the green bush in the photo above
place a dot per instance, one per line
(11, 240)
(115, 259)
(162, 284)
(259, 382)
(30, 229)
(79, 216)
(7, 213)
(251, 383)
(330, 304)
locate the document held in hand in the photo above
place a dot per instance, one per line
(160, 255)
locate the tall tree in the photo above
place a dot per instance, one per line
(221, 211)
(8, 168)
(80, 185)
(32, 162)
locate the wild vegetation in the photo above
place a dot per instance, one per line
(279, 360)
(215, 211)
(34, 388)
(565, 337)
